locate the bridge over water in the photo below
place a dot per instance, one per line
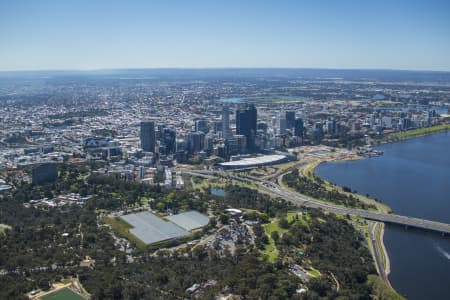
(279, 191)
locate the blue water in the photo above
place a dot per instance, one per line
(244, 99)
(217, 192)
(413, 178)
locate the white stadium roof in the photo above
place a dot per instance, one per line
(254, 161)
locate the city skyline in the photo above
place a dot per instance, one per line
(48, 35)
(224, 149)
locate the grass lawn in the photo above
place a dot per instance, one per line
(309, 171)
(66, 281)
(381, 289)
(301, 218)
(285, 165)
(418, 132)
(291, 216)
(273, 226)
(313, 272)
(64, 294)
(271, 250)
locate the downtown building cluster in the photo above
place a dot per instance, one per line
(142, 127)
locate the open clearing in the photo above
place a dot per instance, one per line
(63, 294)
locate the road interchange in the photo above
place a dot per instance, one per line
(277, 190)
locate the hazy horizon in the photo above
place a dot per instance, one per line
(212, 68)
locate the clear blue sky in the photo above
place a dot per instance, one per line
(93, 34)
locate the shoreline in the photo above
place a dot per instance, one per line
(378, 245)
(411, 135)
(375, 242)
(387, 267)
(379, 238)
(374, 230)
(377, 235)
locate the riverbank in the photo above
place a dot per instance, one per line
(309, 170)
(404, 135)
(380, 284)
(316, 155)
(412, 178)
(374, 230)
(378, 235)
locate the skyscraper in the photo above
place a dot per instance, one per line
(282, 124)
(226, 122)
(246, 124)
(298, 127)
(290, 119)
(168, 139)
(237, 144)
(331, 126)
(196, 141)
(148, 136)
(201, 125)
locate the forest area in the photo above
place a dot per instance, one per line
(45, 245)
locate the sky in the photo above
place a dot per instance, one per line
(109, 34)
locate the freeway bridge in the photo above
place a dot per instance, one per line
(276, 190)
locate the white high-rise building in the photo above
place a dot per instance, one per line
(226, 122)
(282, 124)
(142, 172)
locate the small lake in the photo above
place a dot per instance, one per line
(217, 192)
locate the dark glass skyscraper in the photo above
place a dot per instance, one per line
(168, 139)
(298, 129)
(290, 119)
(246, 118)
(201, 125)
(148, 136)
(196, 141)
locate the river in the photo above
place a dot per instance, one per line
(413, 178)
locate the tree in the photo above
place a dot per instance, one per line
(213, 222)
(265, 239)
(275, 236)
(346, 189)
(198, 159)
(224, 219)
(264, 218)
(283, 222)
(44, 284)
(160, 206)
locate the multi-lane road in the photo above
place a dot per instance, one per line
(279, 191)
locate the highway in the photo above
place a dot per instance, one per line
(279, 191)
(377, 254)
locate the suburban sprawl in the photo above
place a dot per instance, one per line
(201, 184)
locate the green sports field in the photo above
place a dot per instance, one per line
(64, 294)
